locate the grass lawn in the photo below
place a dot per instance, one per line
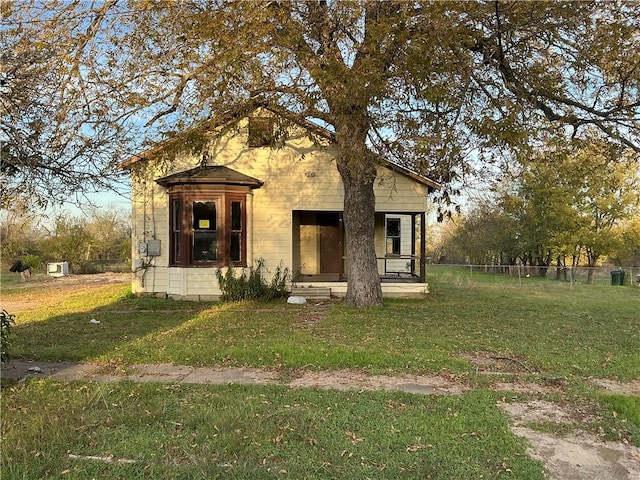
(203, 432)
(55, 430)
(550, 328)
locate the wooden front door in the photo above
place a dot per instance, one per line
(331, 243)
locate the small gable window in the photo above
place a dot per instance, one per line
(260, 131)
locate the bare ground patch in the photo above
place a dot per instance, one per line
(542, 411)
(73, 280)
(578, 455)
(356, 380)
(312, 314)
(614, 386)
(511, 373)
(31, 297)
(520, 386)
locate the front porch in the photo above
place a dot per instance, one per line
(319, 253)
(391, 288)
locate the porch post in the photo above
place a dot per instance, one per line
(343, 267)
(413, 243)
(423, 248)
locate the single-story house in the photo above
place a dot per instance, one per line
(240, 199)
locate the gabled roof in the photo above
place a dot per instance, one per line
(430, 184)
(245, 110)
(215, 174)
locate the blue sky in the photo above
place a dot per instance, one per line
(100, 199)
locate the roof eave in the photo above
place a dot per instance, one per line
(198, 181)
(430, 184)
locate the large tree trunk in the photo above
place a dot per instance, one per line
(364, 289)
(358, 170)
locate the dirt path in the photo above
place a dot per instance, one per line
(577, 455)
(32, 297)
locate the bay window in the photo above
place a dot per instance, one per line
(208, 216)
(207, 229)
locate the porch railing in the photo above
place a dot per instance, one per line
(403, 265)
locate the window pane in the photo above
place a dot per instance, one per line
(177, 250)
(204, 216)
(176, 226)
(234, 248)
(236, 216)
(393, 227)
(393, 245)
(205, 245)
(176, 212)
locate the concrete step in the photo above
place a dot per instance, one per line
(312, 293)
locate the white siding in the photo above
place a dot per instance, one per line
(400, 265)
(150, 220)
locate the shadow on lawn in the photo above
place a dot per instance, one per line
(100, 333)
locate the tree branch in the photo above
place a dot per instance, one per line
(537, 98)
(177, 95)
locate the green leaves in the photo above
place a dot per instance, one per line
(6, 324)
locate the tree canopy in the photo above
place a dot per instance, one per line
(56, 141)
(435, 86)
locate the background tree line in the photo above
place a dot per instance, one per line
(84, 241)
(561, 206)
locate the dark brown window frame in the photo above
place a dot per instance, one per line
(223, 195)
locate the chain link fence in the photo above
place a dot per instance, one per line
(520, 274)
(101, 266)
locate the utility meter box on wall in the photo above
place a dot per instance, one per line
(150, 248)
